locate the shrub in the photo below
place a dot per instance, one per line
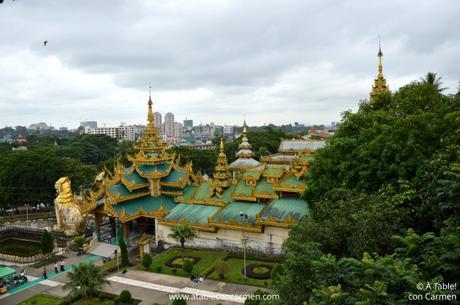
(79, 241)
(277, 271)
(221, 268)
(125, 297)
(123, 252)
(146, 260)
(179, 302)
(255, 301)
(174, 270)
(187, 266)
(159, 269)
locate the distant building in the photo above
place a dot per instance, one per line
(39, 126)
(228, 129)
(122, 132)
(177, 130)
(169, 124)
(188, 124)
(89, 124)
(158, 122)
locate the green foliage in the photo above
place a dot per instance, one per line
(85, 280)
(187, 266)
(125, 297)
(221, 268)
(79, 241)
(146, 260)
(277, 271)
(182, 233)
(47, 243)
(386, 185)
(180, 301)
(255, 298)
(123, 252)
(402, 146)
(29, 176)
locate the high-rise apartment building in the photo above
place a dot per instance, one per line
(158, 122)
(169, 124)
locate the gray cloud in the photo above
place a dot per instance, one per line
(275, 61)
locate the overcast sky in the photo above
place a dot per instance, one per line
(214, 61)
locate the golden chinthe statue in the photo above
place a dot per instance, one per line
(70, 219)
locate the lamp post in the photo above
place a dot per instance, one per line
(245, 216)
(27, 211)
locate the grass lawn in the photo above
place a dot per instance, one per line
(41, 299)
(235, 273)
(207, 260)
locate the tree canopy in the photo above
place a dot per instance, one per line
(384, 196)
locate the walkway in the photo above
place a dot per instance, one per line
(173, 290)
(36, 280)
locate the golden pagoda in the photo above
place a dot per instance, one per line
(245, 156)
(222, 175)
(380, 83)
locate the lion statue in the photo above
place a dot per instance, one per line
(70, 219)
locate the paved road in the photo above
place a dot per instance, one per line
(147, 286)
(37, 284)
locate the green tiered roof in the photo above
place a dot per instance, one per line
(283, 208)
(147, 169)
(231, 213)
(135, 178)
(148, 204)
(155, 185)
(176, 175)
(120, 190)
(191, 213)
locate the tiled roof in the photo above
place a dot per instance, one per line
(280, 209)
(231, 213)
(192, 213)
(147, 203)
(300, 145)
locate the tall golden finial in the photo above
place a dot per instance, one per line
(380, 55)
(245, 130)
(150, 116)
(222, 147)
(380, 83)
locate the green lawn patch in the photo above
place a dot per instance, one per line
(207, 260)
(235, 273)
(41, 299)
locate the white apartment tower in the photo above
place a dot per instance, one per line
(169, 124)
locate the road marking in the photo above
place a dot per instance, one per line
(169, 289)
(213, 295)
(142, 284)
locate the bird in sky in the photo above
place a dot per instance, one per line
(45, 42)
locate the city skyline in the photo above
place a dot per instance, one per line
(222, 60)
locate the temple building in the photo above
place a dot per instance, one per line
(380, 83)
(245, 156)
(246, 202)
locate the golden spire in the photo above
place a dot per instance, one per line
(380, 83)
(222, 147)
(221, 172)
(150, 117)
(380, 55)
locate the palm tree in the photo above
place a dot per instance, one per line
(182, 233)
(432, 79)
(85, 279)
